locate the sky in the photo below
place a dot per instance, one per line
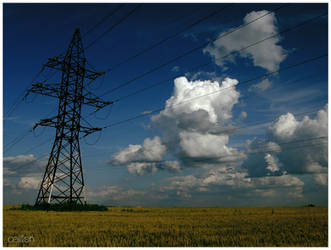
(232, 112)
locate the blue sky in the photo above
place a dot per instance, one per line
(179, 156)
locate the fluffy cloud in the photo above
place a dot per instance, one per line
(145, 158)
(195, 144)
(152, 150)
(285, 126)
(192, 127)
(261, 159)
(267, 54)
(141, 168)
(195, 127)
(294, 147)
(207, 96)
(191, 120)
(309, 136)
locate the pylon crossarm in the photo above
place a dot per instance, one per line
(51, 90)
(48, 122)
(54, 63)
(97, 103)
(92, 100)
(88, 131)
(92, 75)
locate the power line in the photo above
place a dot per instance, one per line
(218, 91)
(232, 158)
(208, 63)
(38, 158)
(264, 149)
(168, 37)
(16, 140)
(250, 125)
(41, 133)
(20, 96)
(188, 100)
(189, 13)
(227, 33)
(239, 157)
(265, 146)
(16, 103)
(14, 106)
(113, 26)
(107, 115)
(249, 80)
(27, 164)
(238, 129)
(37, 146)
(42, 169)
(96, 141)
(226, 130)
(110, 14)
(187, 53)
(275, 149)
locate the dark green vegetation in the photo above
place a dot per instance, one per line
(153, 227)
(62, 207)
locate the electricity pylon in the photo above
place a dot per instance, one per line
(63, 180)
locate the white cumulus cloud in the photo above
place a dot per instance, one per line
(308, 152)
(191, 120)
(204, 145)
(267, 54)
(152, 150)
(145, 158)
(190, 127)
(210, 96)
(292, 146)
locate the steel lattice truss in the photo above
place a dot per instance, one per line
(63, 180)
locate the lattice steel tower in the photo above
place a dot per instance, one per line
(63, 180)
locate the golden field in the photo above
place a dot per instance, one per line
(168, 227)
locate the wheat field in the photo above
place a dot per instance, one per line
(168, 227)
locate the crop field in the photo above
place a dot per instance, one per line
(168, 227)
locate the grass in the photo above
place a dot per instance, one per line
(168, 227)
